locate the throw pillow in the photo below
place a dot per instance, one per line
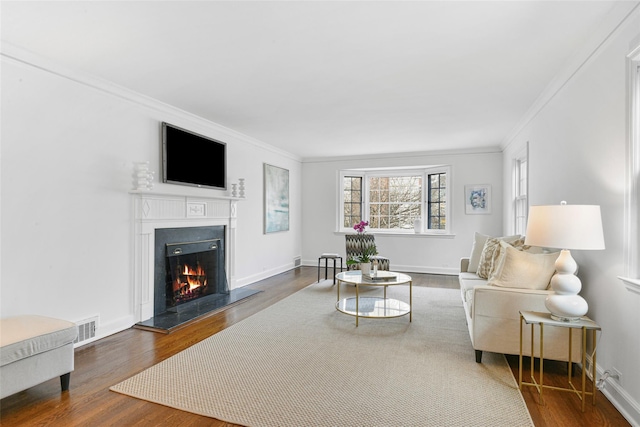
(521, 269)
(479, 241)
(492, 255)
(537, 250)
(489, 258)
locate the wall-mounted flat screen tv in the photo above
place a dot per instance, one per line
(192, 159)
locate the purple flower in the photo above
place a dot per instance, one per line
(359, 227)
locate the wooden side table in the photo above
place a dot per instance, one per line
(544, 319)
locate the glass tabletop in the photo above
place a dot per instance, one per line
(355, 278)
(373, 307)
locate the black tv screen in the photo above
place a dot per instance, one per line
(191, 159)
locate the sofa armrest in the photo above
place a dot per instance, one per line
(495, 301)
(464, 265)
(494, 324)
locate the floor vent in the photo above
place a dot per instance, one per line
(297, 261)
(86, 329)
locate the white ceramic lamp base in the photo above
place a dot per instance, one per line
(566, 308)
(565, 304)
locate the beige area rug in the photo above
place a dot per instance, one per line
(302, 363)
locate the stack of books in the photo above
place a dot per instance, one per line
(380, 276)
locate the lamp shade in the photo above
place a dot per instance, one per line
(565, 227)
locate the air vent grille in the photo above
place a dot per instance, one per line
(86, 329)
(297, 261)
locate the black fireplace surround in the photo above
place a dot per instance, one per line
(193, 247)
(205, 247)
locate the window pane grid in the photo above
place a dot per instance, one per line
(352, 200)
(437, 202)
(395, 201)
(522, 184)
(520, 202)
(521, 214)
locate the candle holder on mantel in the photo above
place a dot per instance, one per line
(234, 190)
(241, 187)
(143, 177)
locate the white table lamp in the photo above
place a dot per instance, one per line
(565, 227)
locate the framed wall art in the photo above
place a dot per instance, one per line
(477, 199)
(276, 199)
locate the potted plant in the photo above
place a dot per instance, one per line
(365, 259)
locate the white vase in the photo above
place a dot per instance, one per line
(365, 268)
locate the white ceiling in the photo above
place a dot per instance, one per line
(323, 78)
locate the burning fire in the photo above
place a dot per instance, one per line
(190, 279)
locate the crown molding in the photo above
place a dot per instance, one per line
(611, 25)
(13, 53)
(413, 154)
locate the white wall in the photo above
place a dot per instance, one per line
(577, 153)
(433, 254)
(68, 147)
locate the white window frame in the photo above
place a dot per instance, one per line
(521, 198)
(632, 196)
(423, 171)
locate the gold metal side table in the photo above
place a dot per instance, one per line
(544, 319)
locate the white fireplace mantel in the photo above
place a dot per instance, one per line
(153, 210)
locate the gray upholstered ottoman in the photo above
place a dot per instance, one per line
(34, 349)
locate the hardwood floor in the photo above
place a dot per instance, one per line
(110, 360)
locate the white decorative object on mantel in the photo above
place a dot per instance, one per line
(143, 177)
(234, 190)
(241, 187)
(156, 210)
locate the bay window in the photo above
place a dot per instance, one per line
(392, 200)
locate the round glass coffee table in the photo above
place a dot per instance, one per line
(374, 307)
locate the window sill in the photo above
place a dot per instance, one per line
(633, 285)
(410, 234)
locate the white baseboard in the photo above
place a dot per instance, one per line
(618, 396)
(400, 268)
(263, 275)
(105, 329)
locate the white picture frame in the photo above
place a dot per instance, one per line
(276, 199)
(477, 199)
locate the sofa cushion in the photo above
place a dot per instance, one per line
(479, 240)
(521, 269)
(467, 287)
(469, 276)
(24, 336)
(466, 284)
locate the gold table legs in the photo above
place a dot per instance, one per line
(582, 393)
(391, 308)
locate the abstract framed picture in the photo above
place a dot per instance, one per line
(276, 199)
(477, 199)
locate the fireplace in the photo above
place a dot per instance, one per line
(189, 267)
(159, 219)
(193, 270)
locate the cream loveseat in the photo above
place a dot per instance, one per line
(501, 278)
